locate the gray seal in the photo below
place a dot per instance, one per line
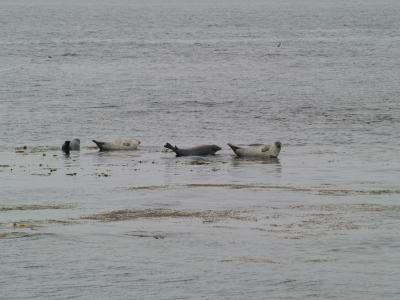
(202, 150)
(74, 145)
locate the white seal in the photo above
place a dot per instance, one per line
(259, 150)
(128, 144)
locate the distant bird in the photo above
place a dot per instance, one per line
(128, 144)
(258, 150)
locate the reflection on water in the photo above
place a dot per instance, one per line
(270, 160)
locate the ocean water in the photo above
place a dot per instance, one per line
(320, 222)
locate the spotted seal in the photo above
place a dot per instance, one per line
(127, 144)
(258, 150)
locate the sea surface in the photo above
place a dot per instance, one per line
(320, 222)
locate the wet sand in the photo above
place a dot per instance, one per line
(138, 214)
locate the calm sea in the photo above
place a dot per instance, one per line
(322, 77)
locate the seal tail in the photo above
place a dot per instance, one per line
(169, 146)
(233, 147)
(99, 144)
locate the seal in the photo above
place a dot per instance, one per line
(128, 144)
(258, 150)
(74, 145)
(66, 147)
(202, 150)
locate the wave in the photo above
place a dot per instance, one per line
(35, 207)
(19, 234)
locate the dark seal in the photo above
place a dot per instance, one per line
(202, 150)
(66, 147)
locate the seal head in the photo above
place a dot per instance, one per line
(66, 147)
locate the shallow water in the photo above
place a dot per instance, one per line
(322, 221)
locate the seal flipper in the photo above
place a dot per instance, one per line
(99, 144)
(265, 148)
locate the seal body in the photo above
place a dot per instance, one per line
(75, 145)
(261, 151)
(128, 144)
(202, 150)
